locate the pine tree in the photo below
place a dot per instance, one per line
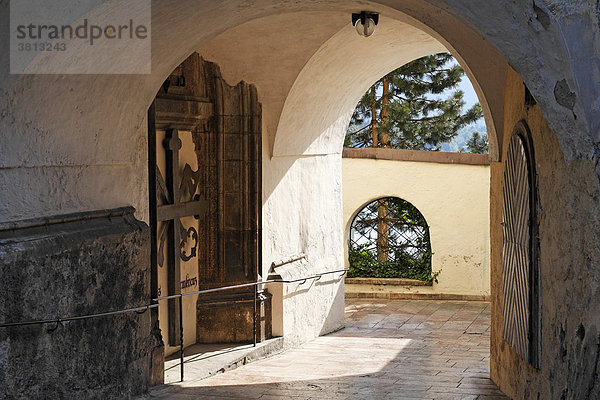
(477, 143)
(409, 109)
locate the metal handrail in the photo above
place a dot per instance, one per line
(58, 320)
(219, 289)
(288, 260)
(142, 309)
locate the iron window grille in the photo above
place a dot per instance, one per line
(389, 237)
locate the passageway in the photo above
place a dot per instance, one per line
(404, 349)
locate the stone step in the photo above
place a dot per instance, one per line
(204, 360)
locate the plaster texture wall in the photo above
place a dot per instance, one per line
(300, 216)
(455, 201)
(305, 119)
(78, 142)
(569, 222)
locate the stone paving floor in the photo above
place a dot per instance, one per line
(404, 349)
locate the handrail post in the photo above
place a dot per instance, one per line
(181, 335)
(254, 325)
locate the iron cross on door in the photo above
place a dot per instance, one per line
(173, 235)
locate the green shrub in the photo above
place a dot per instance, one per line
(364, 263)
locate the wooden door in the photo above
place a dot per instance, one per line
(519, 255)
(209, 212)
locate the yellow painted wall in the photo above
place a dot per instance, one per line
(455, 201)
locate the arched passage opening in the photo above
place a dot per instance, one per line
(314, 134)
(306, 107)
(80, 175)
(398, 143)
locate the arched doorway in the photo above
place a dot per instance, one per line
(303, 129)
(108, 123)
(520, 227)
(205, 206)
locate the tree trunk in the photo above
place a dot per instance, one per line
(382, 217)
(374, 118)
(385, 136)
(382, 231)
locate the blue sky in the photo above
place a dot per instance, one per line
(470, 97)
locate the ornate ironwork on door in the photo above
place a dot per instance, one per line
(179, 199)
(224, 194)
(519, 253)
(180, 107)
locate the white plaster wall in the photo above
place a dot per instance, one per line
(307, 101)
(455, 201)
(75, 143)
(304, 215)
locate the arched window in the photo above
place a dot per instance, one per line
(520, 248)
(389, 238)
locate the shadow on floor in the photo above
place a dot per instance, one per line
(204, 360)
(415, 349)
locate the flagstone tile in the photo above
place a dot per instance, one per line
(398, 349)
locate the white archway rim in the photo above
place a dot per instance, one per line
(318, 107)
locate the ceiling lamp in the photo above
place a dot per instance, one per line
(365, 22)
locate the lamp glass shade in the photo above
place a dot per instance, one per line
(367, 29)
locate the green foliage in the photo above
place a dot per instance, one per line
(477, 144)
(363, 263)
(420, 116)
(405, 251)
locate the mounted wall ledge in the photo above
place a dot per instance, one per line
(386, 281)
(291, 269)
(286, 260)
(123, 212)
(417, 156)
(76, 264)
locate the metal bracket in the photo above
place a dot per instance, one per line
(55, 327)
(363, 15)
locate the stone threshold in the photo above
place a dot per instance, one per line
(204, 360)
(386, 281)
(416, 296)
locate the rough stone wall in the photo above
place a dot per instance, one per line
(70, 269)
(569, 223)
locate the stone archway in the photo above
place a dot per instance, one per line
(551, 45)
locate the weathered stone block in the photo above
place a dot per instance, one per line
(70, 266)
